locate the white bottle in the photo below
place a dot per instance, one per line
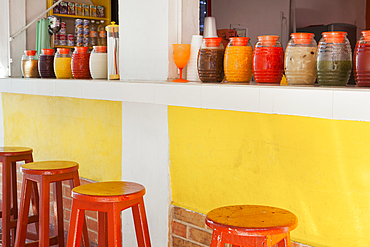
(98, 62)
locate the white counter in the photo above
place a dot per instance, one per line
(344, 103)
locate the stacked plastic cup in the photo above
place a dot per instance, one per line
(192, 70)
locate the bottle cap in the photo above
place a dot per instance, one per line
(239, 41)
(302, 38)
(212, 42)
(48, 51)
(100, 49)
(63, 50)
(334, 37)
(81, 49)
(30, 52)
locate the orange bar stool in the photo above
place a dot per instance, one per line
(9, 213)
(251, 225)
(45, 173)
(109, 199)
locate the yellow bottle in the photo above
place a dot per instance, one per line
(62, 64)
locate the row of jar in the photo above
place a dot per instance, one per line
(80, 65)
(330, 62)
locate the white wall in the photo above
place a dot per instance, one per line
(4, 39)
(33, 9)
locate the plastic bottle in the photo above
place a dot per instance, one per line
(98, 62)
(30, 64)
(62, 64)
(211, 60)
(102, 33)
(93, 33)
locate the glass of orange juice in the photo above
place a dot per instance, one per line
(181, 55)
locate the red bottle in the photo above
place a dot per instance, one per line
(361, 58)
(268, 60)
(80, 63)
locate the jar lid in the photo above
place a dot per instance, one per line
(212, 42)
(100, 49)
(366, 35)
(302, 38)
(63, 50)
(334, 37)
(239, 41)
(30, 52)
(268, 39)
(48, 51)
(112, 27)
(82, 49)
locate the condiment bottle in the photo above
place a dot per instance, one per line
(30, 64)
(211, 60)
(238, 60)
(102, 39)
(80, 63)
(268, 59)
(113, 51)
(334, 59)
(46, 63)
(98, 62)
(361, 64)
(300, 59)
(62, 64)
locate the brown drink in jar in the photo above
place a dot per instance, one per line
(30, 64)
(211, 60)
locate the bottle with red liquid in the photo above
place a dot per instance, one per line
(268, 59)
(46, 63)
(361, 64)
(80, 63)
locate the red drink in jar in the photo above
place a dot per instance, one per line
(268, 60)
(80, 63)
(361, 60)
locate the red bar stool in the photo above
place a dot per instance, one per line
(44, 173)
(109, 199)
(9, 213)
(251, 225)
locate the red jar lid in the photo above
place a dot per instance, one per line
(334, 37)
(212, 42)
(366, 35)
(81, 49)
(63, 50)
(48, 51)
(239, 41)
(100, 49)
(30, 52)
(268, 39)
(302, 38)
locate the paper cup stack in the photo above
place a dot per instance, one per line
(192, 70)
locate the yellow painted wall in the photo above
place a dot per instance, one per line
(317, 168)
(58, 128)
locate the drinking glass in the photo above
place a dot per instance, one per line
(181, 55)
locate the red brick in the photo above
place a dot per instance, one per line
(189, 216)
(67, 203)
(91, 214)
(200, 236)
(178, 242)
(92, 225)
(178, 229)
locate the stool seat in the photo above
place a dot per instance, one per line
(246, 224)
(49, 168)
(13, 151)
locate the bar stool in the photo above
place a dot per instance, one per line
(9, 213)
(109, 199)
(251, 225)
(44, 173)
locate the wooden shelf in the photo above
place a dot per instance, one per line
(83, 17)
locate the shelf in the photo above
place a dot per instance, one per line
(83, 17)
(68, 46)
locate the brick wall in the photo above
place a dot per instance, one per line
(188, 229)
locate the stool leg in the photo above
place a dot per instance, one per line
(6, 181)
(114, 227)
(23, 212)
(44, 216)
(217, 239)
(14, 200)
(75, 226)
(58, 212)
(141, 224)
(35, 206)
(102, 231)
(285, 242)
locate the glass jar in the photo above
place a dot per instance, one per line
(62, 64)
(98, 63)
(211, 60)
(334, 59)
(30, 64)
(268, 59)
(238, 60)
(300, 59)
(361, 60)
(80, 63)
(46, 63)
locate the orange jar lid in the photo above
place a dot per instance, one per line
(239, 41)
(63, 50)
(212, 42)
(100, 49)
(30, 52)
(366, 35)
(334, 37)
(48, 51)
(302, 38)
(268, 39)
(81, 49)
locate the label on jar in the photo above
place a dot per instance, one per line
(62, 37)
(102, 34)
(93, 34)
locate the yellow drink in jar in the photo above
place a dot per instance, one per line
(238, 63)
